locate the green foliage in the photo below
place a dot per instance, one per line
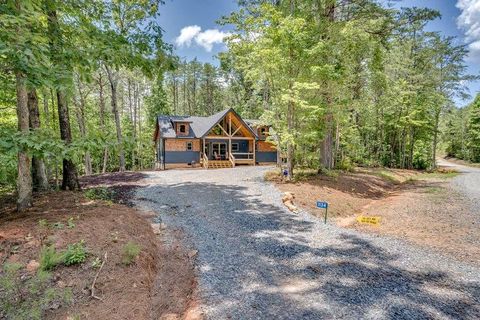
(99, 194)
(75, 254)
(28, 297)
(130, 252)
(49, 258)
(70, 223)
(96, 263)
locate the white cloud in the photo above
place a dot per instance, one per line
(469, 20)
(186, 35)
(205, 39)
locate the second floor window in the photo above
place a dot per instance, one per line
(183, 128)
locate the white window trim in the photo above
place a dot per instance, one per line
(235, 144)
(189, 143)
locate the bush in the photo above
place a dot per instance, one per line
(75, 254)
(49, 258)
(99, 194)
(130, 252)
(27, 297)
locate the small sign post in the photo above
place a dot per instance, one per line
(323, 205)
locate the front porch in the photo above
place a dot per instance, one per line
(227, 153)
(228, 144)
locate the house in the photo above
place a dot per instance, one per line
(222, 140)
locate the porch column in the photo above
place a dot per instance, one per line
(204, 148)
(254, 155)
(229, 133)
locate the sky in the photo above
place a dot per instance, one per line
(191, 27)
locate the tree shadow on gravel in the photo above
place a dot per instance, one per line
(257, 260)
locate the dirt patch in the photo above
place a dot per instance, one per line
(428, 214)
(123, 184)
(416, 207)
(158, 284)
(346, 193)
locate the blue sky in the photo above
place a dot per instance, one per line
(190, 25)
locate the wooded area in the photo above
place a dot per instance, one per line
(342, 82)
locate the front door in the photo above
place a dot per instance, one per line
(219, 151)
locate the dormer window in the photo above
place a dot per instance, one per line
(263, 131)
(182, 128)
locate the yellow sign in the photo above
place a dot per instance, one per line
(369, 220)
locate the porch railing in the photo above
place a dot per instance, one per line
(232, 159)
(244, 155)
(205, 161)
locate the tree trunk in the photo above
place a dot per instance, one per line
(113, 88)
(326, 150)
(70, 178)
(102, 118)
(80, 113)
(39, 174)
(435, 140)
(24, 178)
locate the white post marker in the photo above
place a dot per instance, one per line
(323, 205)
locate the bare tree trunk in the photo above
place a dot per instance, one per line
(102, 118)
(39, 174)
(24, 178)
(326, 152)
(435, 140)
(70, 178)
(80, 113)
(113, 87)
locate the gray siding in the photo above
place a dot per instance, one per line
(182, 156)
(266, 156)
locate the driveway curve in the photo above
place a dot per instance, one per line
(257, 260)
(467, 183)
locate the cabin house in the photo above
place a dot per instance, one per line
(222, 140)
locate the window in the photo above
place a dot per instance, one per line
(189, 146)
(235, 147)
(182, 128)
(263, 131)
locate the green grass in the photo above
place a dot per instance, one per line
(28, 297)
(386, 175)
(130, 253)
(49, 258)
(437, 175)
(99, 194)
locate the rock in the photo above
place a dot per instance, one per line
(287, 200)
(55, 305)
(192, 254)
(156, 228)
(14, 258)
(33, 266)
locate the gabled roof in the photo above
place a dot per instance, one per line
(199, 126)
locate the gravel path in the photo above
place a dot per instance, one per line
(258, 261)
(468, 183)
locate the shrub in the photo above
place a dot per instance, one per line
(70, 223)
(75, 254)
(130, 252)
(99, 194)
(27, 297)
(49, 258)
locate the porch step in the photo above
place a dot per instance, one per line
(215, 164)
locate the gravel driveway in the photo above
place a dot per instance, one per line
(257, 260)
(468, 183)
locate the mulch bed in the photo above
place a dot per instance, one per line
(160, 284)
